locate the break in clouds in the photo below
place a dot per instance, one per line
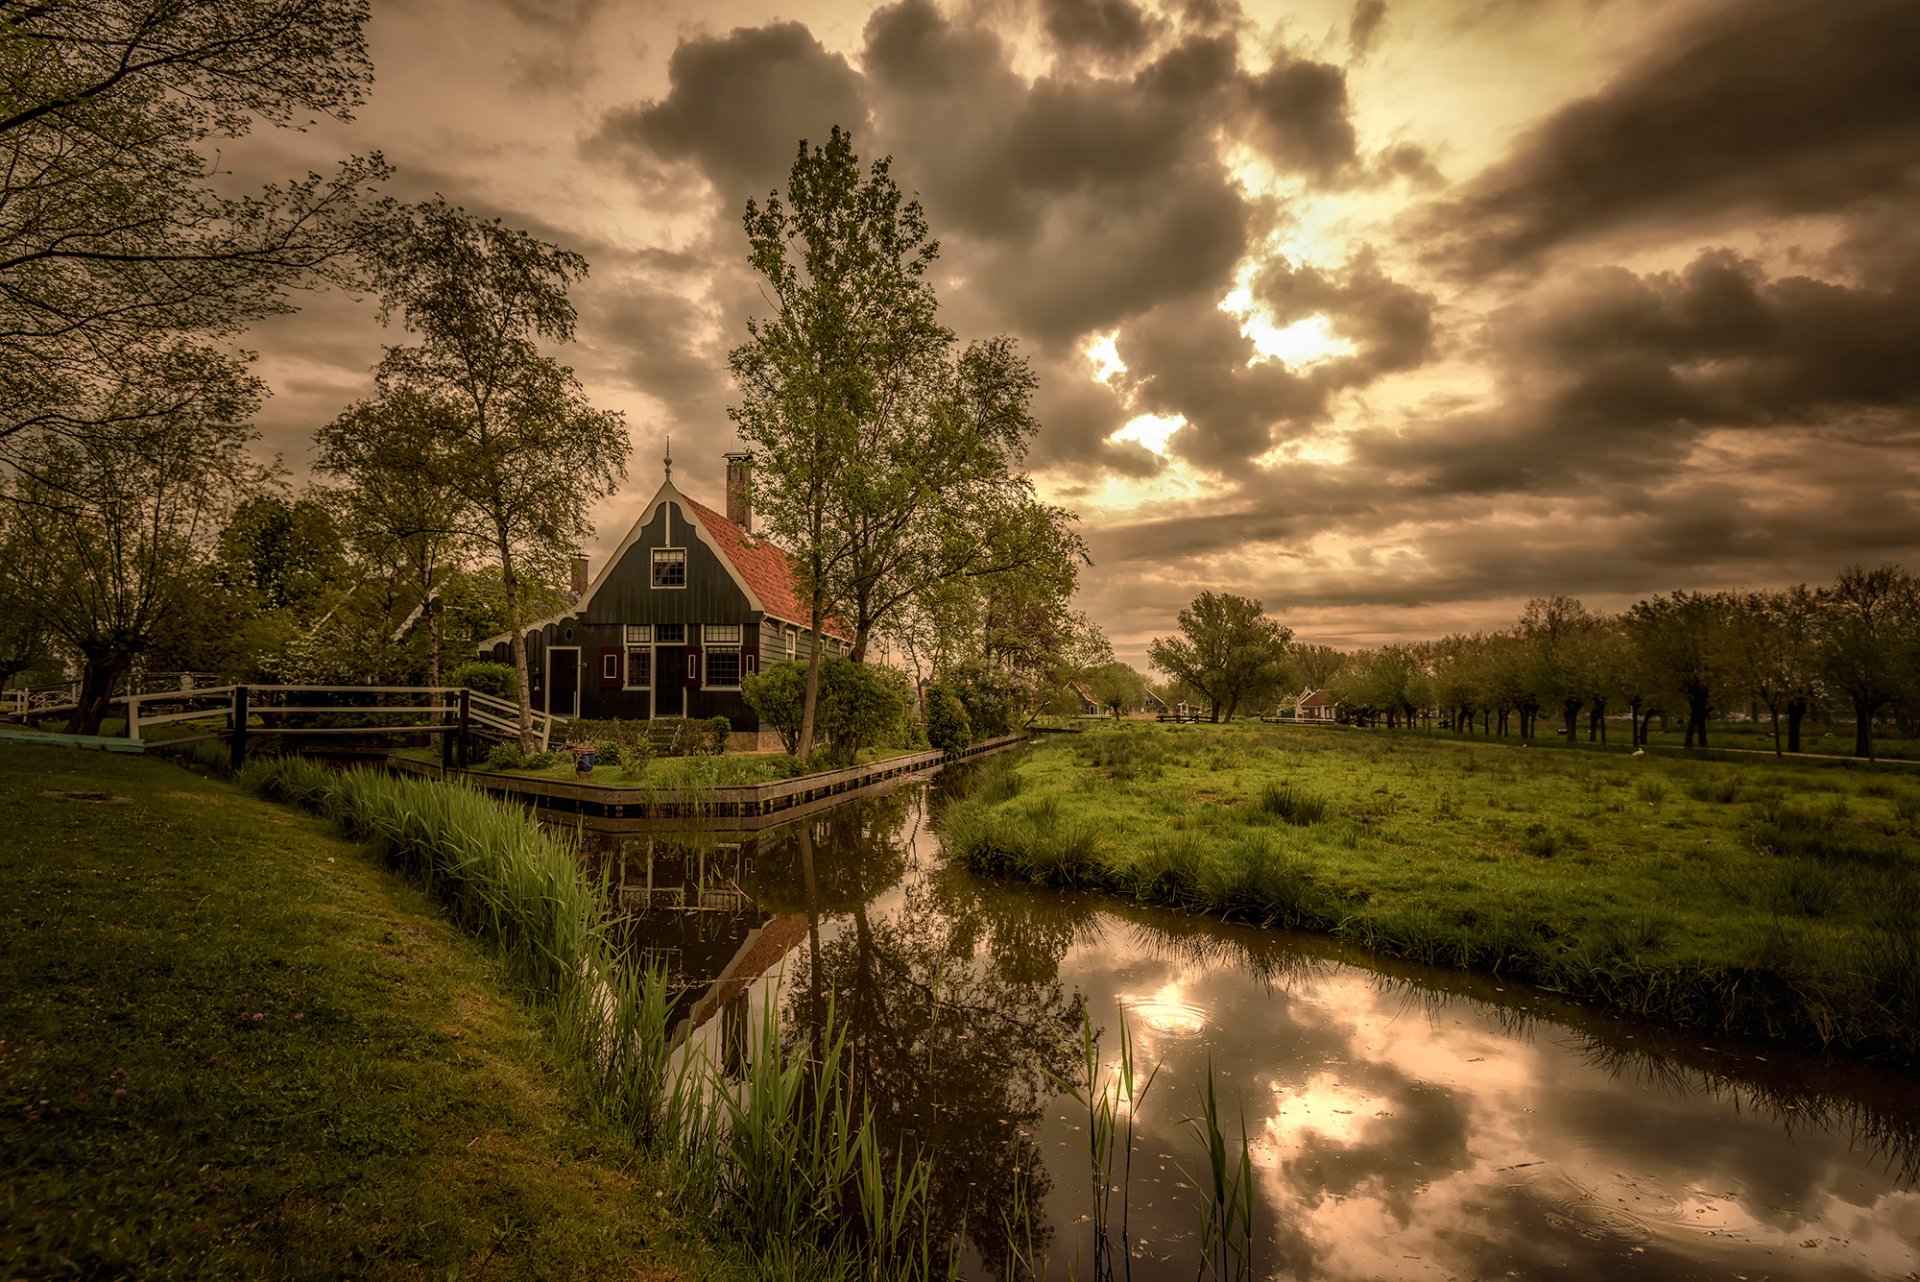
(1390, 313)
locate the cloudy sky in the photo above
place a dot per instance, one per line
(1391, 313)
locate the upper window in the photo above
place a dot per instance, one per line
(639, 634)
(669, 567)
(793, 643)
(670, 633)
(721, 634)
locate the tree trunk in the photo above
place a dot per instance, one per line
(1863, 729)
(433, 645)
(1571, 708)
(523, 696)
(1796, 713)
(97, 680)
(859, 652)
(804, 748)
(1773, 710)
(1697, 719)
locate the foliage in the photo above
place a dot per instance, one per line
(124, 270)
(990, 701)
(777, 694)
(1117, 687)
(513, 440)
(1229, 650)
(1869, 648)
(496, 679)
(948, 727)
(116, 529)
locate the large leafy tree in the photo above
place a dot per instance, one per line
(840, 365)
(122, 268)
(515, 444)
(1681, 639)
(118, 530)
(1228, 650)
(377, 448)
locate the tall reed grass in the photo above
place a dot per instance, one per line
(784, 1158)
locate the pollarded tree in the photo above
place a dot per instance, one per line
(1117, 686)
(120, 261)
(1228, 650)
(1773, 649)
(1867, 639)
(515, 442)
(1681, 638)
(117, 529)
(1554, 629)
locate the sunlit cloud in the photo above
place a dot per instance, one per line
(1151, 430)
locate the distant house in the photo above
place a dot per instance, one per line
(1089, 706)
(690, 603)
(1316, 705)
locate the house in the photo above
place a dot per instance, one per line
(1316, 705)
(1089, 706)
(690, 603)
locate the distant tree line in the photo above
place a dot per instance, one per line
(1784, 654)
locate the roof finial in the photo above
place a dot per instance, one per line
(669, 459)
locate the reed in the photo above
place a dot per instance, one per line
(1225, 1187)
(784, 1158)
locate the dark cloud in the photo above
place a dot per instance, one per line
(1298, 115)
(1390, 323)
(1369, 16)
(739, 104)
(1111, 31)
(1763, 107)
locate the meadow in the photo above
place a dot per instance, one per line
(1740, 894)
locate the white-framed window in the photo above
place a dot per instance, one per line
(721, 634)
(639, 634)
(610, 666)
(639, 665)
(723, 668)
(670, 633)
(793, 643)
(669, 567)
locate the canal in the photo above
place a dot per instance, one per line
(1403, 1122)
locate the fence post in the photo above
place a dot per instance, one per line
(237, 741)
(463, 727)
(445, 720)
(133, 717)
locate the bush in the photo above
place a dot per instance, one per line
(496, 679)
(506, 755)
(860, 706)
(948, 727)
(719, 730)
(989, 701)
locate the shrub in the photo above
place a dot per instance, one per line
(506, 755)
(989, 700)
(1292, 805)
(719, 730)
(496, 679)
(860, 705)
(948, 727)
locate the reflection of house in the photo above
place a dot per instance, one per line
(1316, 705)
(689, 604)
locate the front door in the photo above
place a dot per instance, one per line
(669, 681)
(563, 680)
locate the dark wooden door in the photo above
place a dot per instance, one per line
(563, 681)
(669, 681)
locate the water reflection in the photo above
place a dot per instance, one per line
(1403, 1123)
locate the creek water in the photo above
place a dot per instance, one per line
(1403, 1122)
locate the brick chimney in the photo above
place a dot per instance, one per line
(579, 575)
(740, 491)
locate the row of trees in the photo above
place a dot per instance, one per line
(1854, 644)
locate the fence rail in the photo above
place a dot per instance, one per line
(241, 713)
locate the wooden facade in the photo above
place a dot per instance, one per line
(688, 605)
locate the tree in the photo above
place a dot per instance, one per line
(1681, 639)
(1317, 665)
(377, 448)
(1772, 640)
(117, 529)
(515, 442)
(25, 639)
(1229, 651)
(1553, 629)
(122, 268)
(841, 362)
(1866, 642)
(1116, 686)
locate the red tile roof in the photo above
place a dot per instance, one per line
(1318, 699)
(768, 570)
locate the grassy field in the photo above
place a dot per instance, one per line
(1741, 894)
(235, 1046)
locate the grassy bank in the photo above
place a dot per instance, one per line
(1772, 899)
(677, 774)
(235, 1046)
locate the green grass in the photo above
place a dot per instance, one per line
(678, 774)
(1741, 895)
(235, 1046)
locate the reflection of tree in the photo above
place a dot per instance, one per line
(952, 1050)
(860, 851)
